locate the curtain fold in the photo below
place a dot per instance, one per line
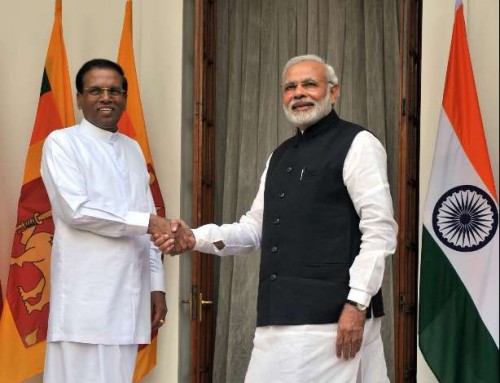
(255, 38)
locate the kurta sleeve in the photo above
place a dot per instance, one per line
(365, 176)
(239, 238)
(155, 259)
(157, 272)
(67, 190)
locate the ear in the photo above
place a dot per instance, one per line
(79, 100)
(334, 94)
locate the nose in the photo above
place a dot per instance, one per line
(299, 91)
(105, 95)
(298, 94)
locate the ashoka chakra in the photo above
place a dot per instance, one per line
(465, 218)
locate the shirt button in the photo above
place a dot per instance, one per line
(276, 221)
(274, 277)
(281, 195)
(274, 249)
(289, 169)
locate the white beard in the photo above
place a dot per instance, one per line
(304, 119)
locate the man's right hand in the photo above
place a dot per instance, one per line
(184, 238)
(160, 225)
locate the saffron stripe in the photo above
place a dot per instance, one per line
(461, 104)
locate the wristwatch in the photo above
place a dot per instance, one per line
(358, 306)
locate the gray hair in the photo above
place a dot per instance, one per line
(331, 76)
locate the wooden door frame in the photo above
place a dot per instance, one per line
(201, 299)
(406, 257)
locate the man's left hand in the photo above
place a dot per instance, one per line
(159, 308)
(350, 332)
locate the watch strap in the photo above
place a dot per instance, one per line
(358, 306)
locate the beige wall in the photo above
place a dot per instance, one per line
(92, 29)
(482, 29)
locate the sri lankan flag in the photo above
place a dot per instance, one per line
(1, 299)
(459, 279)
(132, 124)
(23, 325)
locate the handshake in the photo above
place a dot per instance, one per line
(171, 236)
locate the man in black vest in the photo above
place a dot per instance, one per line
(324, 222)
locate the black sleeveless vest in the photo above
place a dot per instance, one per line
(310, 229)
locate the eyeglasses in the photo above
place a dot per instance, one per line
(308, 85)
(98, 91)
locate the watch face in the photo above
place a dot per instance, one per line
(360, 307)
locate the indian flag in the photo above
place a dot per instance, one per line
(459, 284)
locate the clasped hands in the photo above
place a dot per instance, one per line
(171, 236)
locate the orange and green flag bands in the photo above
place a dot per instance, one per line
(23, 325)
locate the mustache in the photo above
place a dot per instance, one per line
(303, 101)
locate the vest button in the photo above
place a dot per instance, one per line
(289, 169)
(274, 249)
(274, 277)
(276, 221)
(281, 195)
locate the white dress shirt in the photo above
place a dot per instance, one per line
(103, 265)
(365, 176)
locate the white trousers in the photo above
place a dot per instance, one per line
(71, 362)
(306, 354)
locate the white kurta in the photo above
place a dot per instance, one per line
(285, 353)
(365, 176)
(104, 265)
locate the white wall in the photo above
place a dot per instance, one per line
(92, 28)
(482, 22)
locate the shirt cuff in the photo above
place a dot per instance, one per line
(204, 245)
(360, 297)
(158, 282)
(138, 222)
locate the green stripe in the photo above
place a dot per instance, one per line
(452, 336)
(45, 83)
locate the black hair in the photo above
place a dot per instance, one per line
(101, 64)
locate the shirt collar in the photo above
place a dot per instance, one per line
(98, 133)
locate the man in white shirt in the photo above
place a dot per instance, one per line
(107, 279)
(323, 219)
